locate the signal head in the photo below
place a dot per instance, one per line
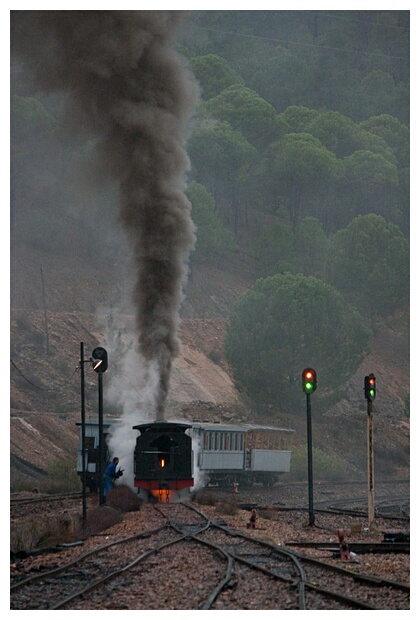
(309, 380)
(370, 387)
(99, 359)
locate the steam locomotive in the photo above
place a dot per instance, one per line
(163, 458)
(172, 456)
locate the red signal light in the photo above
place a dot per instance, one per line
(370, 387)
(309, 380)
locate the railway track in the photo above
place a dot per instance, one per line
(389, 506)
(39, 499)
(188, 561)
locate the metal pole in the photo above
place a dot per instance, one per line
(101, 437)
(371, 500)
(310, 471)
(83, 413)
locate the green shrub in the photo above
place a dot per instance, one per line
(325, 466)
(62, 477)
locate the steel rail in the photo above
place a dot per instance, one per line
(300, 582)
(184, 536)
(367, 579)
(303, 559)
(115, 573)
(358, 547)
(228, 574)
(290, 581)
(61, 569)
(21, 501)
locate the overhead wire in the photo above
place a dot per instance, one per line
(288, 42)
(38, 387)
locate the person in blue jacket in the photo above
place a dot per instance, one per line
(110, 474)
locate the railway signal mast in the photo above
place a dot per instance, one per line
(370, 393)
(99, 360)
(309, 382)
(83, 414)
(100, 365)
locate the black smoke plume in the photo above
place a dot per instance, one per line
(128, 90)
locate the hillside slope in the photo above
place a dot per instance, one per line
(45, 385)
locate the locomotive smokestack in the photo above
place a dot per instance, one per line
(131, 92)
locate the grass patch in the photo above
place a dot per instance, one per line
(325, 466)
(61, 477)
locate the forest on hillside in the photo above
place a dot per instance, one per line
(299, 153)
(303, 114)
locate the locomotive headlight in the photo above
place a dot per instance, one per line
(162, 462)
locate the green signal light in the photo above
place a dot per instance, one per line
(309, 380)
(370, 387)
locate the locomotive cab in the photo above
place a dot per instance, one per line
(163, 457)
